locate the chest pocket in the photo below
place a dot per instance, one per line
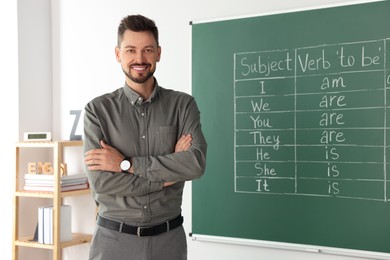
(167, 138)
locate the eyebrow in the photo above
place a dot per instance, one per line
(132, 46)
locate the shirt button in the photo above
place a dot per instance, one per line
(140, 98)
(142, 114)
(143, 137)
(145, 207)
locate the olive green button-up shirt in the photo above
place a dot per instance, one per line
(146, 131)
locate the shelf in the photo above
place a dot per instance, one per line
(35, 144)
(77, 239)
(50, 194)
(56, 196)
(28, 242)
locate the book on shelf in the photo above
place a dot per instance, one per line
(81, 186)
(35, 237)
(40, 182)
(50, 177)
(45, 224)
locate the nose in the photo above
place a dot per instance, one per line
(139, 57)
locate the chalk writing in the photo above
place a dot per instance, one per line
(265, 68)
(312, 120)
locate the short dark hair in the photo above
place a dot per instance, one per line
(137, 23)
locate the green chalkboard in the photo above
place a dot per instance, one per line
(295, 110)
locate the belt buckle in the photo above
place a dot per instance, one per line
(120, 227)
(139, 231)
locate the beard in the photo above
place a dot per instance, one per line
(138, 79)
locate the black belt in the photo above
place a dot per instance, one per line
(140, 231)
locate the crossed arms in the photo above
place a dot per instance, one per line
(108, 158)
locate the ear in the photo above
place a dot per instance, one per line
(158, 53)
(117, 54)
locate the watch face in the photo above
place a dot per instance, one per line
(125, 165)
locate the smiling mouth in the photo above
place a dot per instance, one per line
(140, 67)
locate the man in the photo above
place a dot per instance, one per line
(141, 142)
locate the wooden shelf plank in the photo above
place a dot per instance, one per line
(34, 194)
(77, 239)
(28, 242)
(35, 144)
(50, 194)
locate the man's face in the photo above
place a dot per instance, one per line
(138, 54)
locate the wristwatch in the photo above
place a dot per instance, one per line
(125, 165)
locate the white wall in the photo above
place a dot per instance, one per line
(10, 125)
(35, 92)
(82, 38)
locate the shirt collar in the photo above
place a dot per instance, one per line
(135, 98)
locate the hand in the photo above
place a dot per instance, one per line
(106, 158)
(183, 143)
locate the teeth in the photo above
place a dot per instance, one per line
(139, 68)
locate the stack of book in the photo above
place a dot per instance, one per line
(45, 224)
(45, 182)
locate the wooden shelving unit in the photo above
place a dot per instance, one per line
(57, 197)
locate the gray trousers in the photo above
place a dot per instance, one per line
(112, 245)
